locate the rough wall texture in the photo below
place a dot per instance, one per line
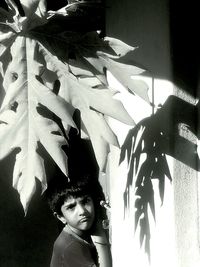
(186, 202)
(167, 47)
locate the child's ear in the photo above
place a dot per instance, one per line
(60, 217)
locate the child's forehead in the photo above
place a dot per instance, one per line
(70, 198)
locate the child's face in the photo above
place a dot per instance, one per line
(78, 213)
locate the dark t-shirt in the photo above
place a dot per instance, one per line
(72, 251)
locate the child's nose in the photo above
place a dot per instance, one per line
(81, 209)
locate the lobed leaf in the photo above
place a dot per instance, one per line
(60, 75)
(125, 75)
(34, 7)
(120, 48)
(25, 127)
(91, 102)
(97, 55)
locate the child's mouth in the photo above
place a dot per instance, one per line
(85, 219)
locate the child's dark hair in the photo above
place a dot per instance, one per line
(78, 189)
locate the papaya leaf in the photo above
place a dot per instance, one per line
(32, 7)
(109, 46)
(90, 102)
(125, 75)
(27, 127)
(100, 139)
(78, 69)
(13, 9)
(4, 14)
(60, 73)
(97, 54)
(120, 48)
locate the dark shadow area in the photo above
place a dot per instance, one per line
(165, 34)
(156, 137)
(145, 25)
(27, 241)
(184, 28)
(24, 241)
(82, 17)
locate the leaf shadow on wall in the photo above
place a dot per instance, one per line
(145, 150)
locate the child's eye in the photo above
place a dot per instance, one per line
(70, 207)
(86, 200)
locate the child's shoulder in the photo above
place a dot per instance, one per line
(63, 240)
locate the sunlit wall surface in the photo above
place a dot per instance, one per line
(126, 246)
(174, 230)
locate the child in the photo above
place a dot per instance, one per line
(82, 241)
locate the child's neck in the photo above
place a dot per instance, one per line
(82, 234)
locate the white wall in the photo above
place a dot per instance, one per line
(175, 234)
(125, 243)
